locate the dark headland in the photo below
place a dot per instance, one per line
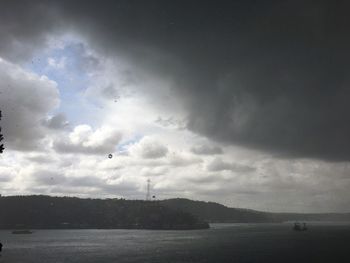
(46, 212)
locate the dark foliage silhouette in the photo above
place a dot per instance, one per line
(1, 137)
(217, 213)
(70, 212)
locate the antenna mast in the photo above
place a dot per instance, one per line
(148, 195)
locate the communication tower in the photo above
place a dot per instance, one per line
(148, 195)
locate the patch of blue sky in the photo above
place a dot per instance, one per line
(65, 66)
(124, 145)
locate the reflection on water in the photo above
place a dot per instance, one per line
(221, 243)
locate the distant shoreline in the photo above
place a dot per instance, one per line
(47, 212)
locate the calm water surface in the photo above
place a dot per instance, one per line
(222, 243)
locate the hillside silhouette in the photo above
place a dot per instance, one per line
(217, 213)
(39, 211)
(70, 212)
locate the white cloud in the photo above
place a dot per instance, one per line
(83, 139)
(47, 178)
(205, 149)
(153, 171)
(25, 100)
(7, 174)
(56, 122)
(182, 159)
(219, 165)
(149, 148)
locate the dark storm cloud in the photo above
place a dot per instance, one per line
(24, 27)
(268, 75)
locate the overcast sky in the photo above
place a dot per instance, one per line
(245, 103)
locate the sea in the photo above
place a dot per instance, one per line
(234, 243)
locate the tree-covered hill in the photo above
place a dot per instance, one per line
(40, 211)
(69, 212)
(217, 213)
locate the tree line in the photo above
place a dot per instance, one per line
(40, 211)
(2, 148)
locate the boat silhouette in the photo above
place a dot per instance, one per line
(299, 227)
(22, 231)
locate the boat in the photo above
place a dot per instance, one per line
(299, 227)
(22, 231)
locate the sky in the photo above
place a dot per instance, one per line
(244, 103)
